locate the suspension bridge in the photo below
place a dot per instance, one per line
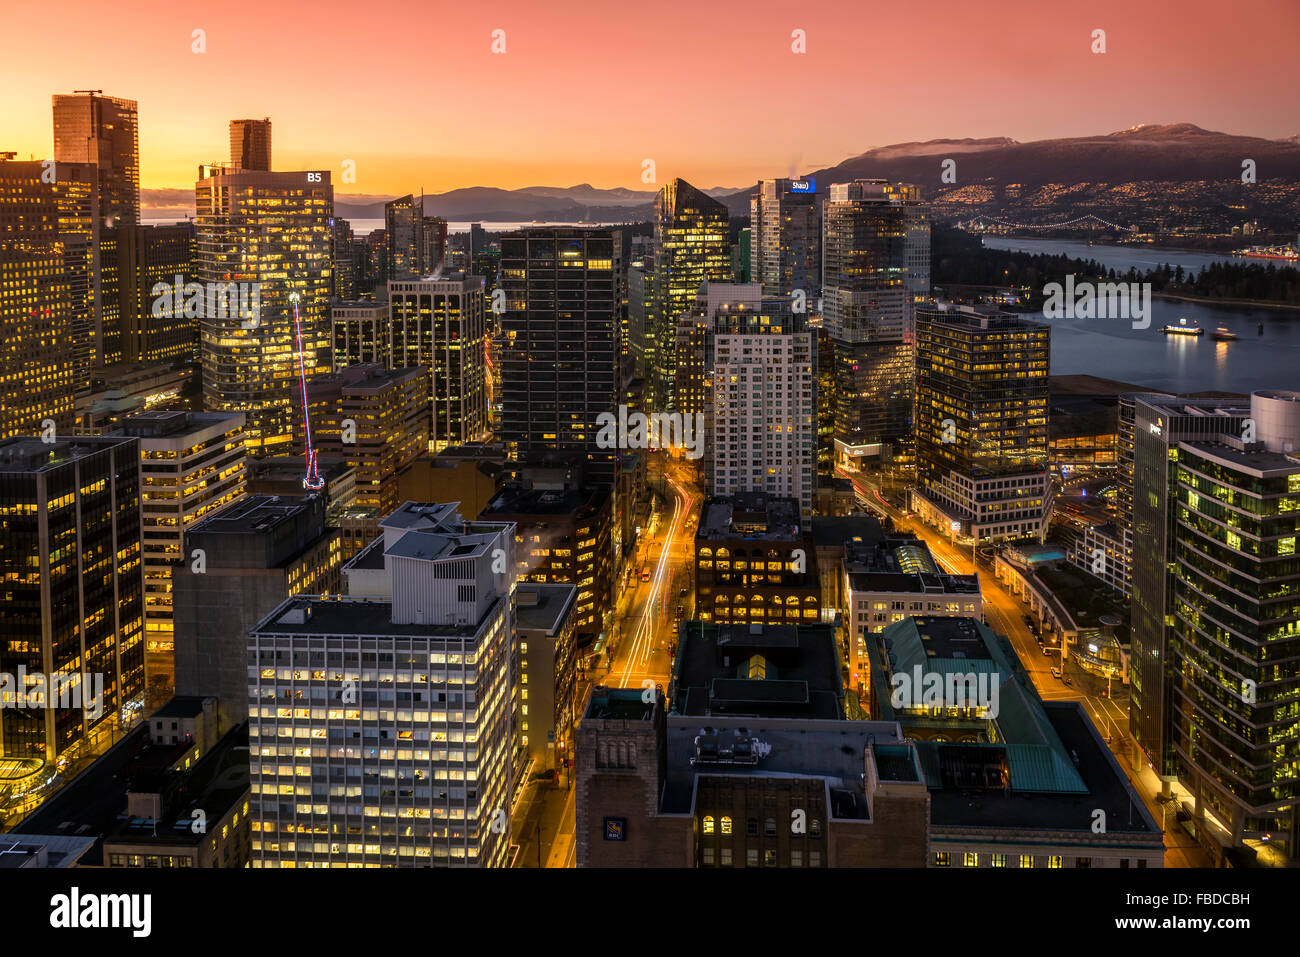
(1089, 218)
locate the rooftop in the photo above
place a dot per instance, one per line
(26, 455)
(750, 516)
(518, 500)
(832, 532)
(1254, 458)
(1105, 788)
(762, 748)
(343, 617)
(217, 781)
(757, 669)
(540, 607)
(618, 704)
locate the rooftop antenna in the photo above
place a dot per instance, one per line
(312, 479)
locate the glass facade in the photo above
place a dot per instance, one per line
(272, 230)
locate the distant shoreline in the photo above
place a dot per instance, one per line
(1246, 303)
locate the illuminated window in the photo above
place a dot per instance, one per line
(708, 824)
(726, 824)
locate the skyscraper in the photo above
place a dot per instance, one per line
(404, 229)
(47, 277)
(876, 240)
(266, 236)
(785, 227)
(417, 690)
(70, 563)
(92, 128)
(250, 145)
(104, 130)
(441, 326)
(375, 419)
(1151, 427)
(345, 256)
(1236, 622)
(560, 351)
(153, 329)
(748, 364)
(692, 246)
(981, 423)
(191, 463)
(764, 430)
(241, 562)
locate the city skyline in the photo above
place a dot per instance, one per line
(887, 454)
(1151, 73)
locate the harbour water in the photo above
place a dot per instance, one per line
(1113, 349)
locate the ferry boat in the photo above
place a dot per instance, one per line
(1286, 253)
(1182, 329)
(1223, 334)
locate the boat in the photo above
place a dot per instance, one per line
(1182, 329)
(1223, 334)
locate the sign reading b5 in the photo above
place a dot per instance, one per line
(615, 828)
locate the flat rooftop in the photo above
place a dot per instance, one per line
(759, 669)
(750, 516)
(1107, 789)
(26, 455)
(331, 617)
(618, 704)
(834, 532)
(1260, 461)
(831, 750)
(517, 500)
(217, 781)
(254, 513)
(545, 611)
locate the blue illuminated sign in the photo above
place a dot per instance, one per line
(804, 186)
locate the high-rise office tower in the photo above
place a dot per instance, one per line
(441, 325)
(692, 246)
(70, 564)
(560, 344)
(361, 333)
(345, 267)
(404, 229)
(416, 690)
(250, 145)
(375, 419)
(92, 128)
(191, 463)
(377, 257)
(153, 329)
(47, 274)
(761, 415)
(104, 130)
(241, 562)
(785, 237)
(433, 250)
(1151, 427)
(1236, 628)
(981, 423)
(875, 241)
(265, 237)
(640, 292)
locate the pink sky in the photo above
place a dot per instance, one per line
(711, 91)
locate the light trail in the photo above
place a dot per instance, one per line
(643, 639)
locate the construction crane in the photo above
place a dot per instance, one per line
(312, 480)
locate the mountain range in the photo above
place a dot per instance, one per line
(1174, 153)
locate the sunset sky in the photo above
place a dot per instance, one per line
(710, 90)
